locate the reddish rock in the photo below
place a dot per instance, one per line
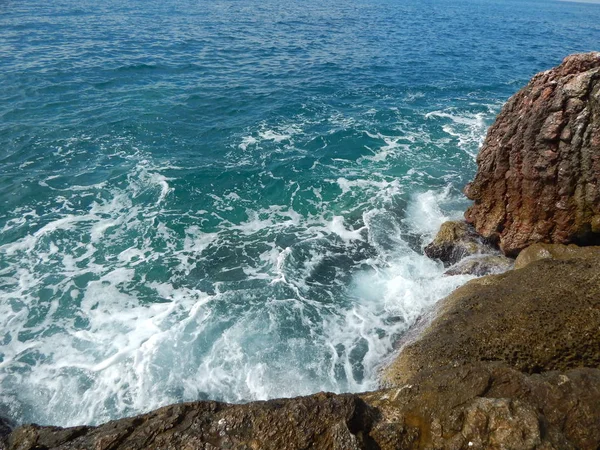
(538, 177)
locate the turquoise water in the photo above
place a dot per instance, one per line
(228, 199)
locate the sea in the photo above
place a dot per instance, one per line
(229, 199)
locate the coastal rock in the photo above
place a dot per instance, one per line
(321, 421)
(481, 265)
(543, 317)
(455, 240)
(538, 177)
(477, 406)
(536, 252)
(489, 405)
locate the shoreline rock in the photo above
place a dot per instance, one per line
(476, 406)
(464, 252)
(454, 241)
(538, 177)
(538, 252)
(543, 317)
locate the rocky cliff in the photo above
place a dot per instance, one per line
(538, 177)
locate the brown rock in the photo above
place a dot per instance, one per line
(540, 318)
(477, 406)
(489, 405)
(536, 252)
(320, 421)
(454, 241)
(538, 177)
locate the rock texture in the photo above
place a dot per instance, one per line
(538, 177)
(476, 406)
(541, 318)
(321, 421)
(456, 240)
(537, 252)
(489, 406)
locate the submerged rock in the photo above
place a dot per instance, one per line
(455, 240)
(538, 177)
(481, 265)
(537, 252)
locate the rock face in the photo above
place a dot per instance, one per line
(541, 318)
(321, 421)
(489, 406)
(538, 177)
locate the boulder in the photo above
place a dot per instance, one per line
(536, 252)
(543, 317)
(538, 177)
(455, 240)
(488, 405)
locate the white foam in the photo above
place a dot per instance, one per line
(113, 309)
(337, 227)
(247, 141)
(467, 127)
(424, 212)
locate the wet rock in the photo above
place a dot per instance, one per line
(454, 241)
(543, 317)
(481, 265)
(537, 252)
(538, 177)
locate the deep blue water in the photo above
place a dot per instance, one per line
(228, 199)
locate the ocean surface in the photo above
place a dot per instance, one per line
(228, 199)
